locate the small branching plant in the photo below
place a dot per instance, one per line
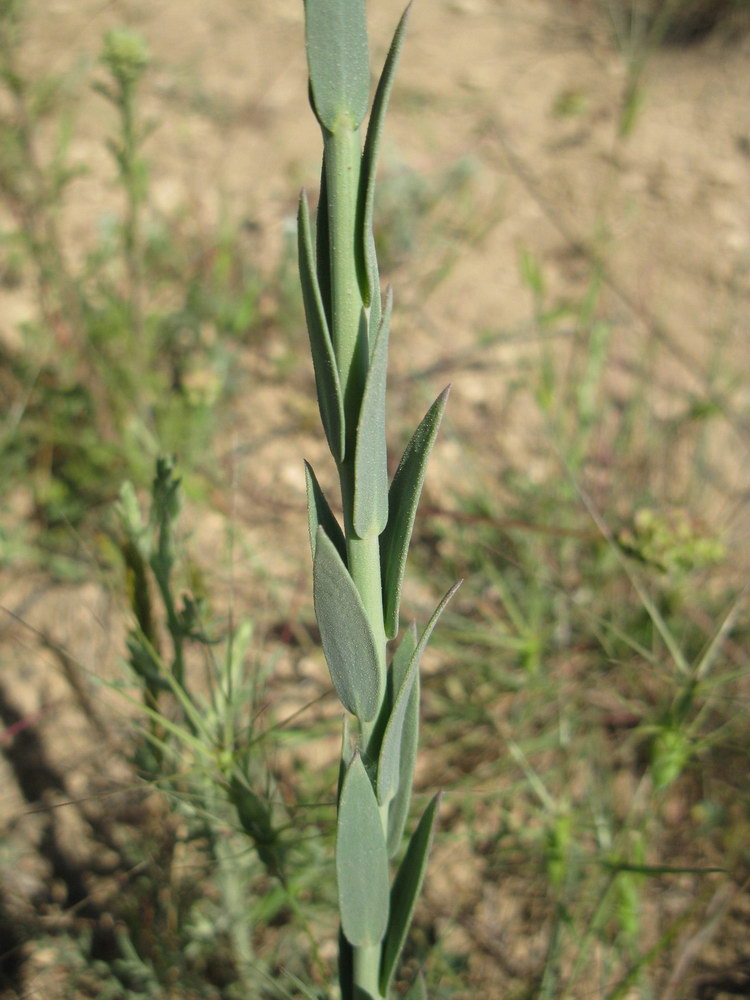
(201, 744)
(211, 727)
(358, 568)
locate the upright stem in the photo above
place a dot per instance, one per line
(350, 343)
(364, 567)
(367, 970)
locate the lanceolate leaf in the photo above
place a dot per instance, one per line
(370, 280)
(361, 860)
(319, 514)
(390, 751)
(397, 734)
(370, 457)
(403, 499)
(324, 361)
(398, 810)
(345, 633)
(404, 893)
(337, 56)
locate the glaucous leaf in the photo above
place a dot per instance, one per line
(403, 499)
(370, 278)
(338, 61)
(361, 860)
(398, 810)
(404, 892)
(321, 347)
(370, 456)
(345, 633)
(320, 515)
(389, 759)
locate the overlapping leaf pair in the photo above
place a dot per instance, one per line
(358, 568)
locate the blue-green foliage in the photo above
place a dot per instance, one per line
(358, 569)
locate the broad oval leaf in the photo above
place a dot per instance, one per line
(338, 61)
(370, 456)
(345, 633)
(320, 515)
(403, 499)
(330, 400)
(405, 891)
(389, 759)
(361, 860)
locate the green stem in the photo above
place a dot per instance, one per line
(364, 567)
(350, 344)
(367, 970)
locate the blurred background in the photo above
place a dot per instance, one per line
(563, 215)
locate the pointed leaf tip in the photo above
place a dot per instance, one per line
(369, 262)
(403, 500)
(330, 399)
(405, 892)
(320, 515)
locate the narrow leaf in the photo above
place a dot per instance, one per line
(321, 347)
(370, 457)
(404, 893)
(398, 811)
(389, 760)
(337, 57)
(370, 279)
(345, 633)
(403, 499)
(320, 515)
(361, 860)
(397, 735)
